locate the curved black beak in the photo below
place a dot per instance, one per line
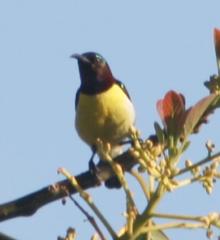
(80, 58)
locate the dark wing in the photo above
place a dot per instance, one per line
(77, 98)
(122, 86)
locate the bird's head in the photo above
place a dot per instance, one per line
(95, 73)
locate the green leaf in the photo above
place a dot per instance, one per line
(197, 114)
(159, 132)
(185, 146)
(217, 46)
(155, 235)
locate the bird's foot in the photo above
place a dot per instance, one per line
(130, 141)
(94, 170)
(92, 166)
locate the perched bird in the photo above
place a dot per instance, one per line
(103, 106)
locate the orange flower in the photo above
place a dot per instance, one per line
(177, 120)
(217, 47)
(172, 109)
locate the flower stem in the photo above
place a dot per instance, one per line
(203, 161)
(87, 198)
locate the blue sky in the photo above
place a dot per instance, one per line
(152, 46)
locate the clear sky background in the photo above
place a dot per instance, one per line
(152, 46)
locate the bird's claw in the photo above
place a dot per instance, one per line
(94, 171)
(130, 141)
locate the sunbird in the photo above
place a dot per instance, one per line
(104, 109)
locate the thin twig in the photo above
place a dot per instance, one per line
(87, 198)
(142, 219)
(130, 203)
(177, 217)
(142, 183)
(152, 184)
(172, 225)
(89, 217)
(203, 161)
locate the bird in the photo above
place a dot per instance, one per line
(104, 109)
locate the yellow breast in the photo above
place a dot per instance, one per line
(107, 116)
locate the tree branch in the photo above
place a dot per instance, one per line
(5, 237)
(29, 204)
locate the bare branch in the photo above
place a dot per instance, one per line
(89, 217)
(5, 237)
(29, 204)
